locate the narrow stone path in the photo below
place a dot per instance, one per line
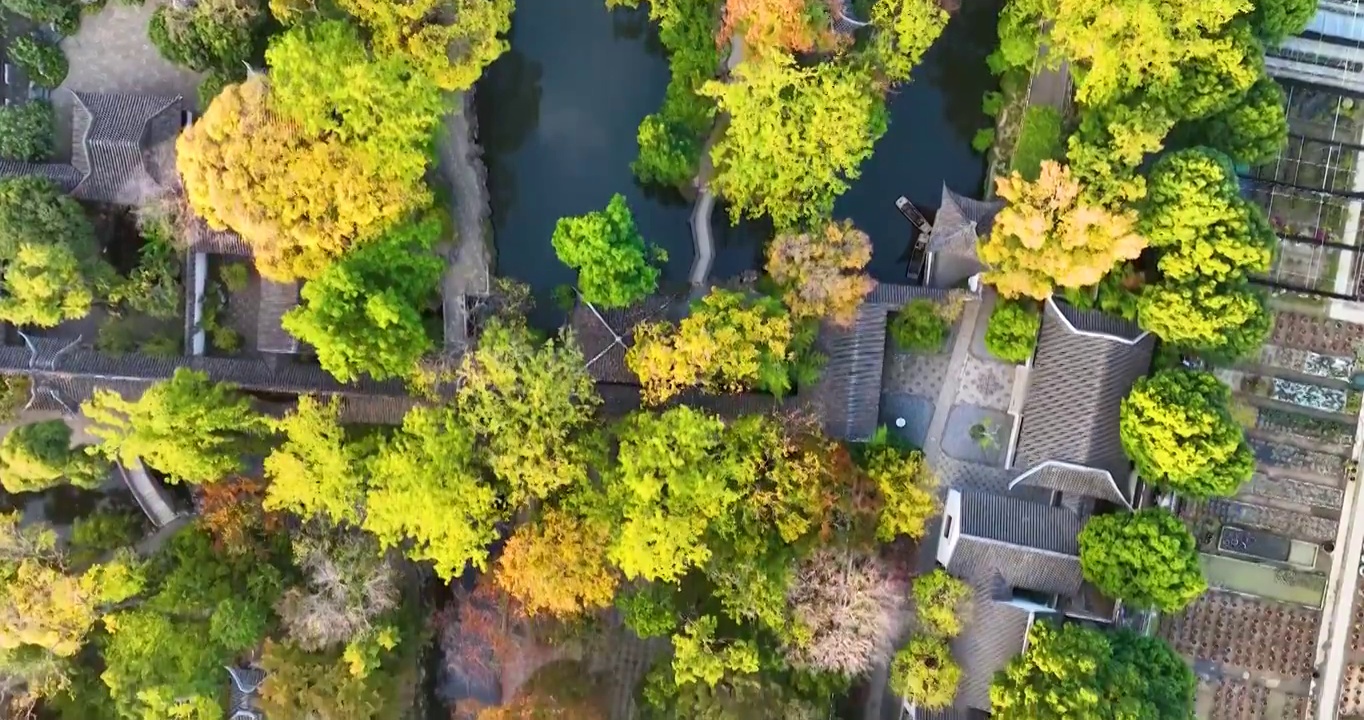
(459, 165)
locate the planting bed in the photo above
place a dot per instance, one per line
(1305, 427)
(1294, 458)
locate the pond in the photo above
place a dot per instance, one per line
(557, 120)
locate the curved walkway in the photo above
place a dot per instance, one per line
(705, 200)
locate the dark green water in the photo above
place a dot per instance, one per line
(558, 115)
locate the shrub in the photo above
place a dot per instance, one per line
(925, 674)
(983, 140)
(62, 12)
(919, 327)
(26, 131)
(668, 154)
(211, 34)
(44, 63)
(1011, 333)
(937, 603)
(233, 276)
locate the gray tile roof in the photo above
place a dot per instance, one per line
(1031, 545)
(119, 148)
(276, 298)
(1085, 365)
(604, 335)
(995, 634)
(217, 242)
(1074, 480)
(960, 222)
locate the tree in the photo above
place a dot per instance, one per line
(300, 200)
(1252, 131)
(938, 599)
(1146, 558)
(27, 131)
(1048, 236)
(363, 313)
(903, 30)
(232, 513)
(1222, 322)
(1109, 147)
(1070, 671)
(189, 428)
(925, 674)
(532, 405)
(561, 690)
(557, 565)
(36, 456)
(1177, 428)
(44, 287)
(700, 657)
(450, 41)
(667, 486)
(1011, 332)
(919, 327)
(1134, 44)
(1275, 20)
(774, 25)
(845, 604)
(317, 470)
(609, 254)
(772, 160)
(207, 35)
(730, 342)
(1205, 231)
(1216, 72)
(35, 211)
(348, 586)
(428, 495)
(157, 668)
(823, 275)
(319, 686)
(324, 77)
(43, 62)
(907, 484)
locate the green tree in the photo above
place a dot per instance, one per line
(919, 327)
(364, 312)
(772, 159)
(450, 41)
(1011, 332)
(699, 657)
(1220, 68)
(908, 487)
(609, 254)
(213, 34)
(34, 211)
(925, 674)
(1071, 671)
(532, 404)
(305, 684)
(1220, 322)
(1194, 215)
(189, 428)
(428, 495)
(903, 30)
(1146, 558)
(317, 470)
(44, 287)
(1109, 147)
(1177, 428)
(27, 131)
(938, 599)
(668, 153)
(670, 480)
(1275, 20)
(1252, 131)
(324, 77)
(39, 455)
(43, 62)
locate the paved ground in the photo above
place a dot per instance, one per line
(459, 166)
(110, 54)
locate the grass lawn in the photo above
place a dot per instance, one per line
(1039, 139)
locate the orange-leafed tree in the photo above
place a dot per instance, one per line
(230, 510)
(822, 273)
(558, 565)
(1048, 237)
(777, 24)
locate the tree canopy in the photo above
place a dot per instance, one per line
(1048, 236)
(938, 600)
(1226, 321)
(189, 428)
(1146, 558)
(1253, 130)
(730, 342)
(532, 405)
(44, 286)
(449, 41)
(772, 160)
(925, 674)
(428, 496)
(1177, 428)
(363, 313)
(1275, 20)
(317, 469)
(557, 565)
(608, 252)
(903, 30)
(822, 273)
(1070, 671)
(299, 199)
(38, 455)
(48, 250)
